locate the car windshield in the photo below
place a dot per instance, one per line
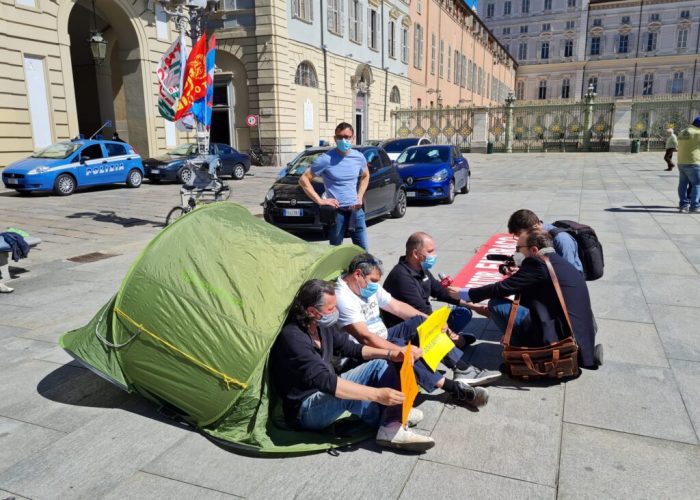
(423, 154)
(399, 145)
(58, 151)
(299, 164)
(182, 150)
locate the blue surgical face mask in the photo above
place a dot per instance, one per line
(328, 319)
(343, 145)
(369, 290)
(429, 262)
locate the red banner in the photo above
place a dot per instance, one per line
(479, 270)
(195, 86)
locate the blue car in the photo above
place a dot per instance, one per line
(66, 166)
(434, 172)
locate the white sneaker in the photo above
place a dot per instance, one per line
(5, 289)
(415, 417)
(394, 435)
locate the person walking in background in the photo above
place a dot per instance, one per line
(671, 147)
(689, 168)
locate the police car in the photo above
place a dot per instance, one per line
(66, 166)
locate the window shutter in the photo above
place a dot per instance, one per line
(329, 15)
(369, 27)
(359, 22)
(341, 17)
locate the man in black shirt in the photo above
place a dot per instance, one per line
(411, 281)
(314, 396)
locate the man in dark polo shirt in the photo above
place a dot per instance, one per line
(411, 281)
(314, 396)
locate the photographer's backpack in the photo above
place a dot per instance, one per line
(590, 251)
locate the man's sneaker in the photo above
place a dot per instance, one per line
(684, 210)
(393, 435)
(475, 376)
(5, 289)
(415, 417)
(695, 210)
(473, 396)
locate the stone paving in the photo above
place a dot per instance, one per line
(629, 429)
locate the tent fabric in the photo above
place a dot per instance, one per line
(193, 322)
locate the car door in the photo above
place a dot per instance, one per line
(93, 166)
(373, 196)
(118, 160)
(392, 179)
(459, 167)
(227, 157)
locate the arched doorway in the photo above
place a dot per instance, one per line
(113, 90)
(360, 83)
(230, 106)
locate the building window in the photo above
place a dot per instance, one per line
(625, 20)
(506, 31)
(623, 44)
(525, 6)
(433, 49)
(458, 68)
(620, 85)
(572, 3)
(547, 4)
(523, 29)
(597, 22)
(542, 90)
(441, 67)
(654, 18)
(682, 38)
(303, 9)
(507, 47)
(648, 86)
(593, 82)
(419, 6)
(570, 25)
(395, 97)
(565, 88)
(568, 48)
(595, 46)
(373, 33)
(685, 14)
(418, 47)
(544, 50)
(522, 51)
(489, 10)
(520, 90)
(650, 44)
(355, 21)
(335, 16)
(506, 8)
(546, 27)
(404, 45)
(449, 62)
(419, 102)
(306, 75)
(677, 83)
(391, 36)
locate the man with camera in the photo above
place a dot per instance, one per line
(540, 319)
(340, 168)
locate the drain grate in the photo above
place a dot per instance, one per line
(92, 257)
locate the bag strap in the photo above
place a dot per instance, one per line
(511, 321)
(555, 282)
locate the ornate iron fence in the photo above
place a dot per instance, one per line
(651, 119)
(441, 125)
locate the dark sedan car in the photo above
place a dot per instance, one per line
(172, 165)
(288, 207)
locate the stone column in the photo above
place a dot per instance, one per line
(509, 122)
(588, 119)
(480, 134)
(622, 123)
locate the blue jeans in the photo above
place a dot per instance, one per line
(403, 332)
(336, 232)
(320, 410)
(500, 311)
(689, 177)
(459, 318)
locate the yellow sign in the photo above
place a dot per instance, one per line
(409, 387)
(434, 343)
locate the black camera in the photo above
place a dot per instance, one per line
(508, 262)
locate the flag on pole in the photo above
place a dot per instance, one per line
(170, 74)
(201, 108)
(195, 85)
(408, 385)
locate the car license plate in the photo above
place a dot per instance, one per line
(411, 194)
(292, 212)
(12, 181)
(155, 171)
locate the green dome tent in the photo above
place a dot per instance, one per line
(194, 320)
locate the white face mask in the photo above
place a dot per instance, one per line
(519, 258)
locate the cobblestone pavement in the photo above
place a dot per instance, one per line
(629, 429)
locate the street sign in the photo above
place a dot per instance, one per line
(251, 120)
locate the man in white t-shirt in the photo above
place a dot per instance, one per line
(360, 298)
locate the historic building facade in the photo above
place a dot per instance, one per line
(623, 48)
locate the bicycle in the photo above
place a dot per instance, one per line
(258, 157)
(205, 188)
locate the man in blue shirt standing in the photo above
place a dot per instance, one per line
(340, 169)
